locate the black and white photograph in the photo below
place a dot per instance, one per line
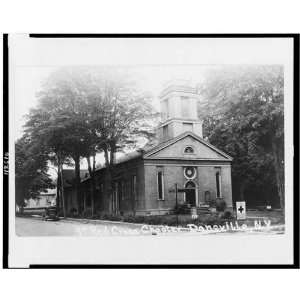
(150, 150)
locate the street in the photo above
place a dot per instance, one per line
(38, 227)
(35, 226)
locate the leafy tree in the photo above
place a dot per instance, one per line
(84, 111)
(31, 168)
(118, 117)
(62, 124)
(48, 131)
(245, 119)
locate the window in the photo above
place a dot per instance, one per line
(165, 132)
(190, 172)
(218, 184)
(133, 188)
(160, 185)
(165, 109)
(185, 107)
(188, 150)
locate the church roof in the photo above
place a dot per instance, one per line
(169, 142)
(154, 146)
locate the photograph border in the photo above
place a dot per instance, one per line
(296, 212)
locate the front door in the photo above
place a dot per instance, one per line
(190, 195)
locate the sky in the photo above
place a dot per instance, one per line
(29, 80)
(152, 61)
(151, 79)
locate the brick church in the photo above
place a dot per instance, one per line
(144, 180)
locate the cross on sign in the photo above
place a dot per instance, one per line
(240, 209)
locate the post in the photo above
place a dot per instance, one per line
(176, 203)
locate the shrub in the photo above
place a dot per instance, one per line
(182, 208)
(220, 205)
(73, 212)
(227, 215)
(87, 213)
(134, 219)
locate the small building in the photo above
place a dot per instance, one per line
(144, 180)
(44, 200)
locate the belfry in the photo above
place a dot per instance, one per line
(179, 112)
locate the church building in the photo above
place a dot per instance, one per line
(144, 180)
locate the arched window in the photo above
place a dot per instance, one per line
(188, 150)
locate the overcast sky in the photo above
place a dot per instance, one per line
(28, 81)
(152, 61)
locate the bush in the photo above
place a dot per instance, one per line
(134, 219)
(73, 212)
(87, 213)
(220, 205)
(182, 208)
(227, 215)
(110, 217)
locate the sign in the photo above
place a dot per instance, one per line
(241, 210)
(180, 190)
(184, 190)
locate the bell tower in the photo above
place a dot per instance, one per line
(178, 104)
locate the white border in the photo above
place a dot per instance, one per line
(161, 250)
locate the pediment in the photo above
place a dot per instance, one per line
(175, 149)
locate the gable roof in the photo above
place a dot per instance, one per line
(148, 150)
(172, 141)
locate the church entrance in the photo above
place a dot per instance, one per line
(190, 195)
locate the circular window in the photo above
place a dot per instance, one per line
(190, 172)
(188, 150)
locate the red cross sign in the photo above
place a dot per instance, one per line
(241, 210)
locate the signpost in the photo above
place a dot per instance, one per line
(241, 210)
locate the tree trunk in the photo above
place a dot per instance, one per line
(77, 181)
(57, 191)
(279, 174)
(92, 183)
(61, 184)
(108, 182)
(62, 192)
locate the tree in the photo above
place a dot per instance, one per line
(118, 116)
(48, 132)
(84, 111)
(31, 168)
(245, 118)
(63, 125)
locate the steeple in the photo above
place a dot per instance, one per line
(178, 104)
